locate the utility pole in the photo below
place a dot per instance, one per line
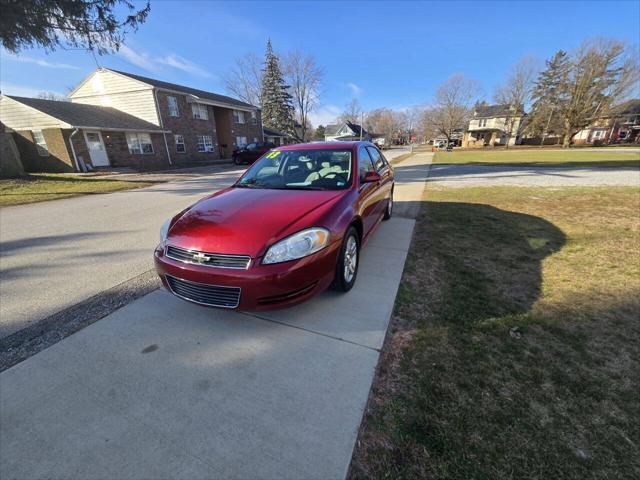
(361, 124)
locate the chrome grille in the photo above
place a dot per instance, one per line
(204, 294)
(220, 260)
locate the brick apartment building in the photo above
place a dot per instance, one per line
(118, 119)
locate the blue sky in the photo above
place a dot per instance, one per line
(387, 54)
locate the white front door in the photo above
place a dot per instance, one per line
(96, 148)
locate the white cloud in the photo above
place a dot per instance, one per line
(154, 64)
(325, 115)
(36, 61)
(183, 64)
(24, 90)
(356, 91)
(142, 60)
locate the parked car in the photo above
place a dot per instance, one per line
(251, 152)
(290, 227)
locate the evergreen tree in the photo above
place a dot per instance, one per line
(550, 96)
(320, 132)
(277, 106)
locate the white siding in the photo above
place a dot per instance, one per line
(102, 82)
(17, 116)
(108, 89)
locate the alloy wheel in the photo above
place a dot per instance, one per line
(350, 259)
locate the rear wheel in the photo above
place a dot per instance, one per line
(348, 260)
(389, 210)
(237, 161)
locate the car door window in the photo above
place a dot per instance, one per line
(251, 146)
(364, 162)
(376, 157)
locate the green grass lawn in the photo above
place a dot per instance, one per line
(514, 348)
(542, 157)
(41, 187)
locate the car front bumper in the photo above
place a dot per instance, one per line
(262, 287)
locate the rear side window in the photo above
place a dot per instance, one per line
(377, 158)
(364, 162)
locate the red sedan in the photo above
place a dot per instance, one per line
(290, 227)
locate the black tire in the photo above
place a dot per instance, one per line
(237, 161)
(388, 211)
(341, 282)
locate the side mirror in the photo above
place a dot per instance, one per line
(371, 177)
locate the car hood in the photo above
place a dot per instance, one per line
(244, 221)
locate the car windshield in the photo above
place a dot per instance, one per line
(300, 170)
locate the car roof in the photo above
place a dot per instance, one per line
(324, 145)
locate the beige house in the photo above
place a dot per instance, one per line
(119, 119)
(493, 125)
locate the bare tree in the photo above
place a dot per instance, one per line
(385, 121)
(351, 113)
(602, 71)
(516, 93)
(452, 106)
(304, 77)
(244, 81)
(51, 96)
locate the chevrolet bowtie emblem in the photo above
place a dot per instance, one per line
(199, 257)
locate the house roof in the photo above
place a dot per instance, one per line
(630, 107)
(356, 128)
(482, 110)
(331, 129)
(181, 88)
(273, 133)
(91, 116)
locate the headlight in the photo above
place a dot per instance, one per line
(164, 229)
(297, 245)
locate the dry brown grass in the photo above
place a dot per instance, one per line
(514, 350)
(41, 187)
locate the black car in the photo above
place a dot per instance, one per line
(251, 152)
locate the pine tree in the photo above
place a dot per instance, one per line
(550, 96)
(277, 106)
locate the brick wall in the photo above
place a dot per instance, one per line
(59, 158)
(119, 156)
(189, 128)
(249, 129)
(220, 125)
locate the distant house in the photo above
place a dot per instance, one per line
(346, 132)
(621, 125)
(493, 125)
(116, 119)
(276, 137)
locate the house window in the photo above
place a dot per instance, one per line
(482, 122)
(238, 116)
(40, 142)
(139, 143)
(241, 141)
(204, 143)
(254, 117)
(598, 133)
(172, 102)
(180, 146)
(199, 111)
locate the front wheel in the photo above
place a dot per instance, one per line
(348, 260)
(237, 161)
(389, 210)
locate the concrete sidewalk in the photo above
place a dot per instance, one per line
(166, 389)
